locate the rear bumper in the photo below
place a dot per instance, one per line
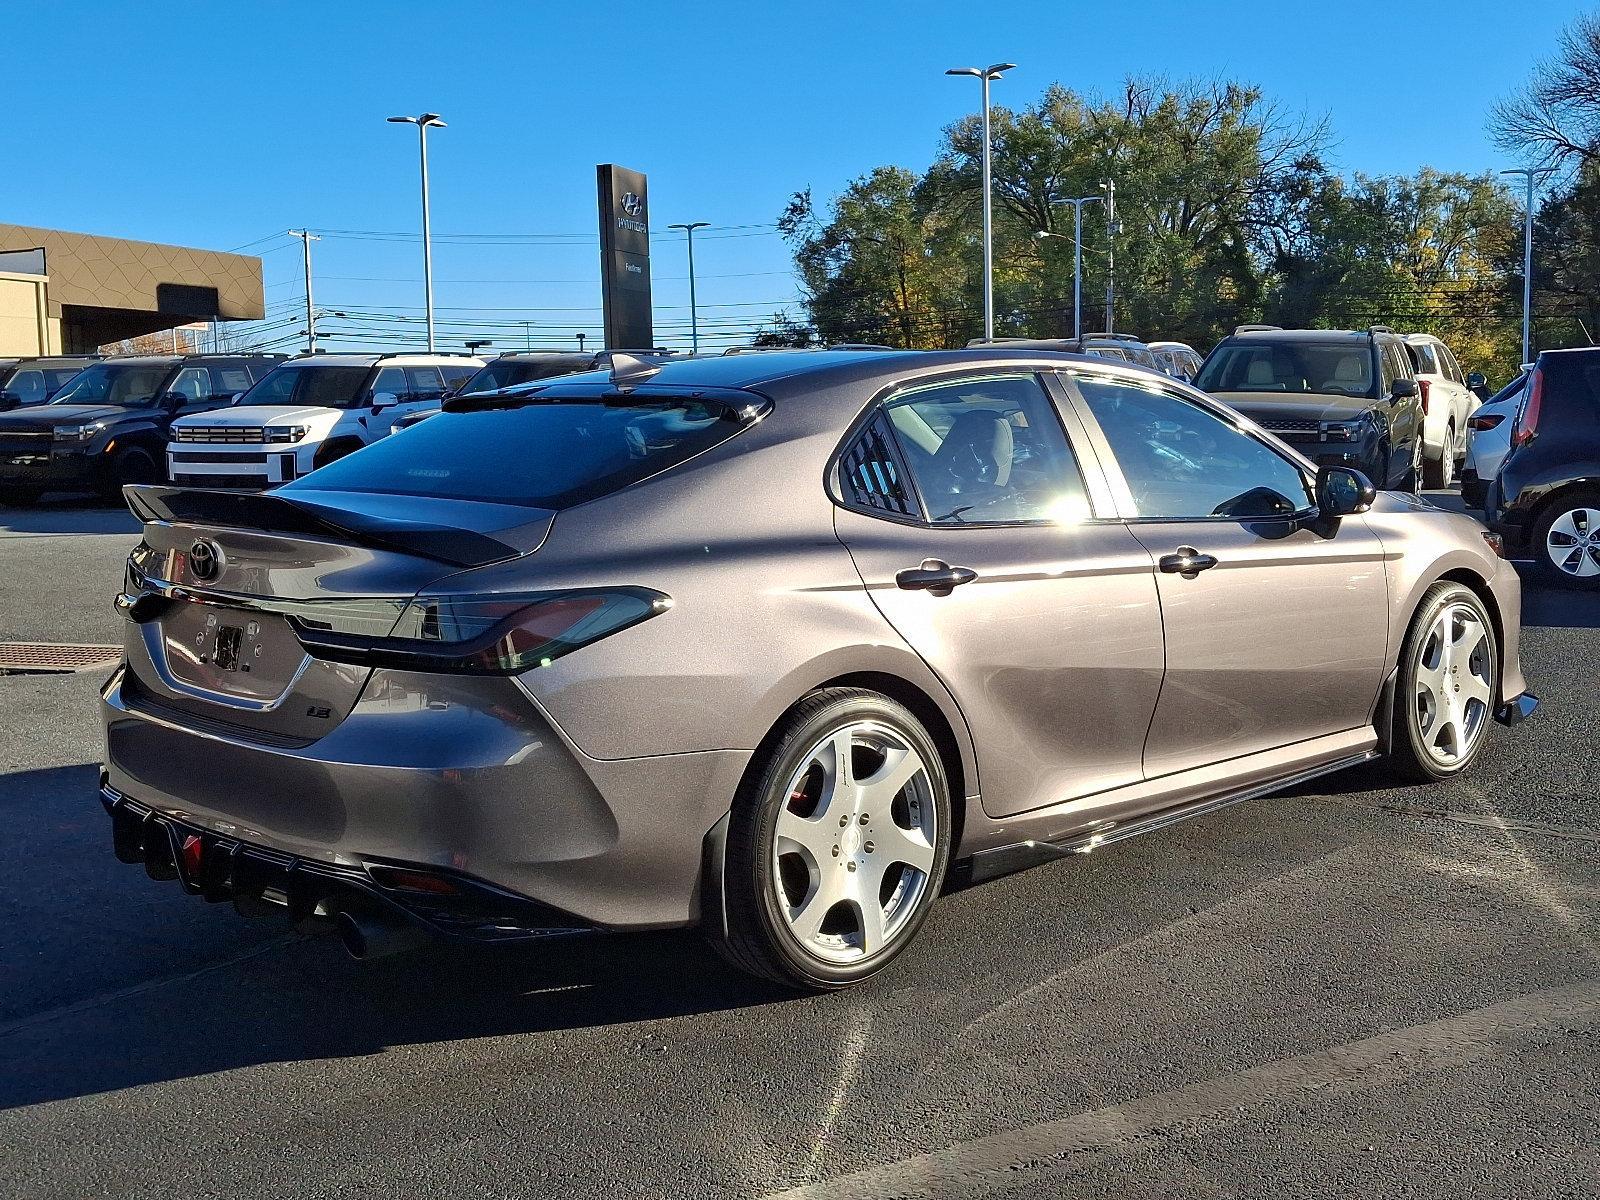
(1473, 490)
(463, 777)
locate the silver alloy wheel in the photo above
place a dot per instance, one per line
(1454, 688)
(854, 842)
(1573, 543)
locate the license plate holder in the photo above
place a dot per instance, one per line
(230, 641)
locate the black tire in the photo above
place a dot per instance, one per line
(333, 451)
(1408, 739)
(759, 938)
(133, 465)
(19, 497)
(1566, 505)
(1440, 474)
(1411, 481)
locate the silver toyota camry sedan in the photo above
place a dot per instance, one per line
(778, 645)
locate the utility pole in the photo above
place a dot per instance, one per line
(1111, 249)
(306, 238)
(986, 75)
(694, 320)
(1528, 174)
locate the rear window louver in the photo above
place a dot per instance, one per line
(871, 473)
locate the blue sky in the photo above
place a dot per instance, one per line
(222, 125)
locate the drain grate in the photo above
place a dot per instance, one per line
(26, 658)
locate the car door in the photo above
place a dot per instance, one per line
(988, 544)
(1463, 401)
(1276, 629)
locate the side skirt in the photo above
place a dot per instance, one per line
(1006, 860)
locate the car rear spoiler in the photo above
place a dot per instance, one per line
(276, 513)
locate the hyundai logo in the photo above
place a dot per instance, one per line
(632, 203)
(205, 560)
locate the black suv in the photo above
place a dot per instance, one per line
(26, 381)
(109, 425)
(1342, 398)
(1546, 500)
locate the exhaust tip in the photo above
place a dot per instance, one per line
(365, 936)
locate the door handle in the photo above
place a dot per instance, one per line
(933, 576)
(1187, 562)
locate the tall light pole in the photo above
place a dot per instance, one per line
(422, 123)
(1528, 173)
(1077, 256)
(987, 75)
(1110, 186)
(306, 238)
(694, 320)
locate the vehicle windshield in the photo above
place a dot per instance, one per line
(543, 455)
(121, 385)
(512, 371)
(1306, 368)
(320, 385)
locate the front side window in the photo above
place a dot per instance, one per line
(424, 383)
(226, 381)
(1184, 462)
(988, 450)
(25, 387)
(192, 384)
(391, 381)
(1341, 368)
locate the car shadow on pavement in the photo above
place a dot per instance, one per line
(114, 980)
(1548, 607)
(69, 514)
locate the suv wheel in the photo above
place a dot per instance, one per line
(837, 844)
(1566, 540)
(1439, 474)
(1444, 697)
(134, 465)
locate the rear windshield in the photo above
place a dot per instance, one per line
(324, 386)
(543, 455)
(514, 371)
(1324, 368)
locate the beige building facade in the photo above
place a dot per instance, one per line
(70, 293)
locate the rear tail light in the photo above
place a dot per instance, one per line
(489, 635)
(1486, 422)
(1527, 424)
(1422, 393)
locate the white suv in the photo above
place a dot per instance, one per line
(308, 412)
(1447, 402)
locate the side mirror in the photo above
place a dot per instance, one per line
(1476, 380)
(174, 400)
(9, 400)
(1401, 388)
(1343, 492)
(383, 400)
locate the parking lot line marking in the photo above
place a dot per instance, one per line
(1008, 1159)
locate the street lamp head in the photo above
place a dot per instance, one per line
(691, 226)
(999, 69)
(432, 119)
(973, 71)
(402, 120)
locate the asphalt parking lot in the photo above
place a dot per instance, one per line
(1350, 989)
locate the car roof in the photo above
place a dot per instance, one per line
(779, 372)
(388, 360)
(1172, 346)
(1307, 335)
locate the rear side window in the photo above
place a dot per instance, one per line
(987, 451)
(425, 383)
(1424, 359)
(227, 380)
(872, 475)
(542, 455)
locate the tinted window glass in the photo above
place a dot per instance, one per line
(511, 371)
(1183, 462)
(26, 387)
(988, 450)
(456, 373)
(1341, 368)
(543, 455)
(1423, 359)
(391, 380)
(225, 381)
(309, 383)
(59, 378)
(124, 385)
(1452, 369)
(872, 475)
(191, 383)
(424, 383)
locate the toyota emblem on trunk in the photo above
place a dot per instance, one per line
(205, 560)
